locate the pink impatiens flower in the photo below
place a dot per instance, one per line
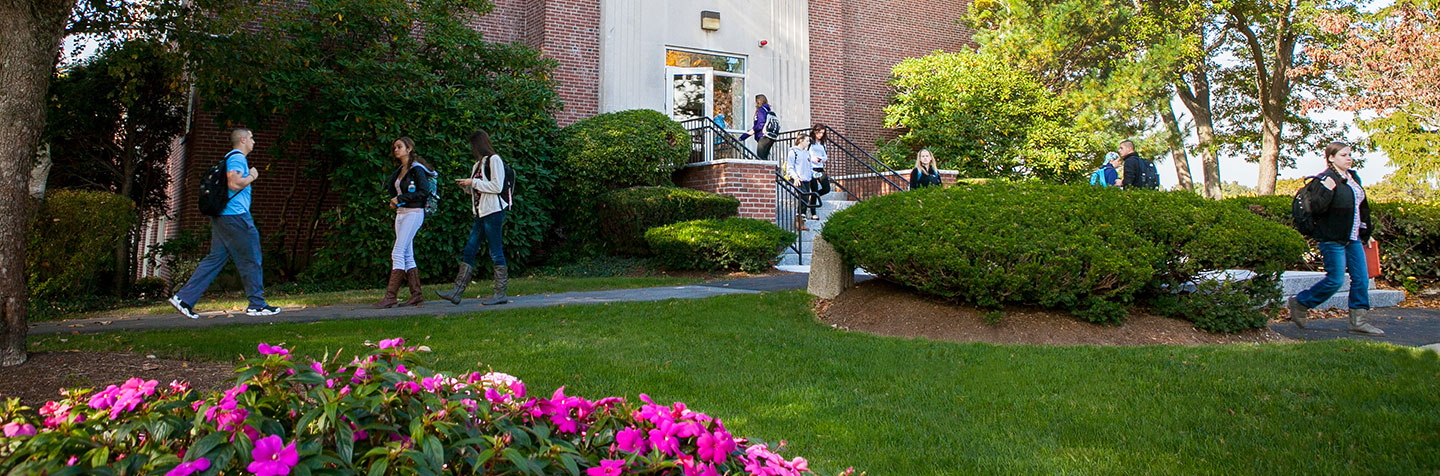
(55, 413)
(123, 398)
(631, 439)
(714, 447)
(663, 438)
(271, 459)
(15, 428)
(267, 349)
(189, 468)
(388, 343)
(608, 467)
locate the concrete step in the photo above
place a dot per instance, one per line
(1292, 282)
(1378, 298)
(791, 259)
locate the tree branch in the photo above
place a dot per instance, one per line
(1257, 53)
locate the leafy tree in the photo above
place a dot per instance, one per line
(111, 124)
(986, 119)
(351, 76)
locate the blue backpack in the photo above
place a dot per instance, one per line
(1097, 178)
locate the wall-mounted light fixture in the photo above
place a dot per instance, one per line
(709, 20)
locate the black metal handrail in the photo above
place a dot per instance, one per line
(706, 137)
(856, 173)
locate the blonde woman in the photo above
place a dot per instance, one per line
(924, 174)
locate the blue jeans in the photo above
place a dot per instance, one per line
(487, 229)
(231, 237)
(1340, 256)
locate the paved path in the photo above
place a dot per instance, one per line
(1402, 326)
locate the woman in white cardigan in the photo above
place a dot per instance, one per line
(488, 201)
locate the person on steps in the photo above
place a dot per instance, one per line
(488, 202)
(763, 142)
(797, 161)
(409, 188)
(1342, 227)
(924, 174)
(819, 182)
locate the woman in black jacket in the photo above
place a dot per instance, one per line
(924, 174)
(1342, 226)
(409, 191)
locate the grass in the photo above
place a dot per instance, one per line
(894, 406)
(517, 287)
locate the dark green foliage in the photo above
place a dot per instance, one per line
(744, 243)
(629, 213)
(1092, 251)
(1224, 306)
(1409, 234)
(610, 151)
(350, 77)
(72, 237)
(150, 288)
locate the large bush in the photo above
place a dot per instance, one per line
(985, 119)
(72, 239)
(612, 151)
(1409, 234)
(343, 79)
(1092, 251)
(381, 413)
(745, 243)
(629, 213)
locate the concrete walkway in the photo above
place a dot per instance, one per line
(1402, 326)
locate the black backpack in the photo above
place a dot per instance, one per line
(507, 187)
(772, 125)
(1149, 177)
(215, 191)
(1300, 211)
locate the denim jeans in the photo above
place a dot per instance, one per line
(487, 229)
(1340, 256)
(231, 237)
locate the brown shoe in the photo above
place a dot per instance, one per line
(800, 223)
(416, 297)
(390, 290)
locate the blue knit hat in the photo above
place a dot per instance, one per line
(1111, 156)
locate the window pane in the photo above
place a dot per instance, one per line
(729, 96)
(689, 59)
(689, 91)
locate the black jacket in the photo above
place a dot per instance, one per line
(1334, 210)
(419, 180)
(920, 179)
(1133, 166)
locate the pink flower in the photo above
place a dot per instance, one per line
(319, 369)
(15, 428)
(714, 447)
(608, 467)
(177, 386)
(267, 349)
(408, 387)
(271, 459)
(55, 413)
(631, 439)
(72, 461)
(192, 467)
(432, 384)
(663, 438)
(388, 343)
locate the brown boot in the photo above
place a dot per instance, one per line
(413, 276)
(390, 290)
(800, 223)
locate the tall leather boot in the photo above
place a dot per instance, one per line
(462, 281)
(390, 290)
(1297, 312)
(417, 296)
(502, 277)
(800, 222)
(1359, 326)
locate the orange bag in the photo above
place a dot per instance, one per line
(1372, 258)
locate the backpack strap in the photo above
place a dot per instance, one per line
(225, 165)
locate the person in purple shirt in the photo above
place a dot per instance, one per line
(762, 142)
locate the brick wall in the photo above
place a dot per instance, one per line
(751, 183)
(853, 45)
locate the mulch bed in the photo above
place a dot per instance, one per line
(882, 308)
(41, 378)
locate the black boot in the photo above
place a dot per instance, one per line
(462, 280)
(502, 277)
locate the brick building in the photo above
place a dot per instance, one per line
(825, 61)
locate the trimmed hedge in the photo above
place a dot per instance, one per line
(1409, 234)
(612, 151)
(630, 212)
(1092, 251)
(72, 239)
(745, 243)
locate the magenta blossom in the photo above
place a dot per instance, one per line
(714, 447)
(388, 343)
(15, 428)
(408, 387)
(123, 398)
(55, 413)
(608, 467)
(189, 468)
(267, 349)
(663, 438)
(631, 439)
(271, 459)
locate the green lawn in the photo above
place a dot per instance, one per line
(900, 407)
(517, 287)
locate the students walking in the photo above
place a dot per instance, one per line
(797, 161)
(763, 139)
(924, 174)
(1341, 215)
(489, 198)
(232, 236)
(409, 188)
(819, 182)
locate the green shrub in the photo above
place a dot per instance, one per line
(610, 151)
(629, 213)
(744, 243)
(72, 238)
(1088, 250)
(150, 288)
(1224, 306)
(1409, 234)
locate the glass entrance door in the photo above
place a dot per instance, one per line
(689, 93)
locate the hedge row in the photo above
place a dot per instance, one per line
(748, 244)
(1091, 251)
(629, 213)
(71, 240)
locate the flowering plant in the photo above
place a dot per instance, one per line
(381, 413)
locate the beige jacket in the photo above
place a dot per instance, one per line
(485, 194)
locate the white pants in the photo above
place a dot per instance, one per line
(402, 256)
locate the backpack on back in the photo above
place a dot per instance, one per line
(772, 125)
(1097, 178)
(507, 187)
(215, 191)
(1300, 209)
(1149, 177)
(433, 204)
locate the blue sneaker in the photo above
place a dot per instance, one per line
(262, 311)
(185, 309)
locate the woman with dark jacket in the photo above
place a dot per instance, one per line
(763, 143)
(924, 174)
(1342, 226)
(409, 191)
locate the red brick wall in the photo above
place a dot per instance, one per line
(565, 30)
(853, 45)
(752, 184)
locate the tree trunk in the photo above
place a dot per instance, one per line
(30, 32)
(1176, 145)
(128, 165)
(1196, 96)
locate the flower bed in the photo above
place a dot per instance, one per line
(382, 413)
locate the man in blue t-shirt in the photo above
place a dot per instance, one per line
(232, 236)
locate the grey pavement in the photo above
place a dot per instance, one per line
(1402, 326)
(364, 311)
